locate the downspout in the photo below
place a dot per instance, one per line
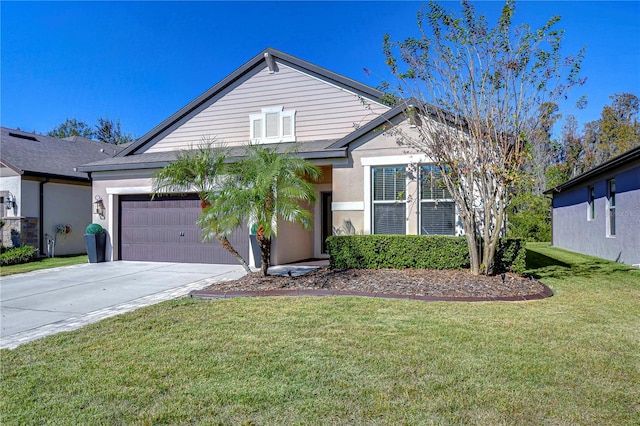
(41, 217)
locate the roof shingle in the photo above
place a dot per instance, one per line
(40, 155)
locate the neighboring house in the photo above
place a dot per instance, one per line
(369, 184)
(39, 189)
(598, 212)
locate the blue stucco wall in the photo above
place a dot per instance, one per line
(573, 231)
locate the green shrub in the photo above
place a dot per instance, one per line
(94, 228)
(417, 251)
(18, 255)
(397, 251)
(510, 256)
(529, 217)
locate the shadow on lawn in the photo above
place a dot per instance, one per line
(543, 266)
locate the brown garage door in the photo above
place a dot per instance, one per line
(165, 230)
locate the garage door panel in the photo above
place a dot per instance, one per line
(166, 230)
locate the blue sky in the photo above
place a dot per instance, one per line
(142, 61)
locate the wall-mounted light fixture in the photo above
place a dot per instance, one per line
(9, 201)
(98, 207)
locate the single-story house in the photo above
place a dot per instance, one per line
(598, 212)
(42, 197)
(369, 183)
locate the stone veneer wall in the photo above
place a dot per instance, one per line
(20, 231)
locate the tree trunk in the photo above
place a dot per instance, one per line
(491, 242)
(265, 250)
(474, 253)
(224, 242)
(469, 226)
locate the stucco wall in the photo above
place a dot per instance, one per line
(29, 201)
(67, 205)
(109, 186)
(63, 204)
(352, 181)
(572, 230)
(293, 243)
(12, 185)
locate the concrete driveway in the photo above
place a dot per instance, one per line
(40, 303)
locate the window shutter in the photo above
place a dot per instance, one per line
(273, 125)
(286, 127)
(257, 129)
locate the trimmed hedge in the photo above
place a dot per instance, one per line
(18, 255)
(417, 251)
(397, 251)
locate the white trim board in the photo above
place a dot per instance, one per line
(347, 206)
(396, 160)
(125, 190)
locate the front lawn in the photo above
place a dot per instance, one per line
(44, 263)
(573, 358)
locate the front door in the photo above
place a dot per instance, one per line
(327, 219)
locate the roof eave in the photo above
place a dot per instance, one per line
(118, 167)
(631, 155)
(12, 167)
(325, 153)
(41, 175)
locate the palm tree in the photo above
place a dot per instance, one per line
(199, 170)
(263, 186)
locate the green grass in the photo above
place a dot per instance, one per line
(570, 359)
(45, 263)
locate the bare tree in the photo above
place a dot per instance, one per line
(479, 91)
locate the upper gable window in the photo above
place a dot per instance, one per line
(273, 125)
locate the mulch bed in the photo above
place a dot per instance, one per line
(418, 284)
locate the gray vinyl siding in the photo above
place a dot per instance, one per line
(323, 110)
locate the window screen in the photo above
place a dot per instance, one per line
(611, 192)
(389, 200)
(437, 209)
(389, 218)
(432, 186)
(437, 218)
(591, 211)
(389, 183)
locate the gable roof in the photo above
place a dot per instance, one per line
(374, 124)
(619, 161)
(45, 156)
(262, 59)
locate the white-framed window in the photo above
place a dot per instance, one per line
(437, 208)
(591, 199)
(389, 185)
(273, 125)
(611, 208)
